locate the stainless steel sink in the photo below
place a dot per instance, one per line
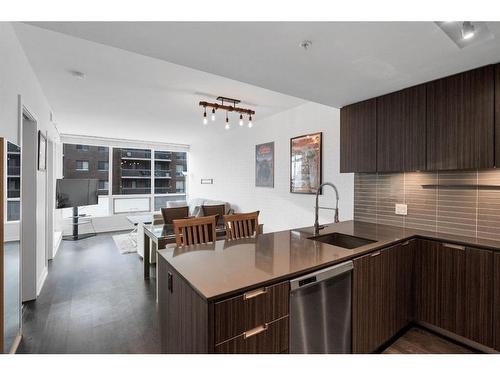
(342, 240)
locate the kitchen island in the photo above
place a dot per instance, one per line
(232, 296)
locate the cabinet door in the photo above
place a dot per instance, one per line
(496, 301)
(401, 130)
(382, 296)
(358, 137)
(479, 296)
(460, 121)
(497, 115)
(440, 285)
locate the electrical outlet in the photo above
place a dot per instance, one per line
(401, 209)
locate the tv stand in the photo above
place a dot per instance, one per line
(76, 223)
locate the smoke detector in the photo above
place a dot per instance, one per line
(306, 44)
(77, 74)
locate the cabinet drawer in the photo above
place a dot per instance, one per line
(269, 338)
(247, 311)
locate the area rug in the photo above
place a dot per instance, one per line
(125, 243)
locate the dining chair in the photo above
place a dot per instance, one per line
(173, 213)
(218, 209)
(194, 231)
(241, 225)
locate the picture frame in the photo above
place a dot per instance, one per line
(264, 165)
(306, 163)
(42, 151)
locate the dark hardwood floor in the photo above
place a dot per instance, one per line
(420, 341)
(94, 301)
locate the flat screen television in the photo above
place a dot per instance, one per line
(76, 192)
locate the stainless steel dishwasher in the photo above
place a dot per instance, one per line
(320, 311)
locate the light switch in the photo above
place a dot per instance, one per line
(401, 209)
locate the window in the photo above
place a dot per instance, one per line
(103, 185)
(179, 186)
(102, 165)
(142, 179)
(13, 182)
(74, 167)
(82, 165)
(131, 171)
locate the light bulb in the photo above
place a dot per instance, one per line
(227, 122)
(227, 127)
(205, 117)
(250, 121)
(241, 120)
(213, 114)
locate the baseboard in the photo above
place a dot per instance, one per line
(459, 339)
(41, 281)
(57, 242)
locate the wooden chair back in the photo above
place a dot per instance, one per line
(194, 231)
(241, 225)
(157, 219)
(173, 213)
(217, 209)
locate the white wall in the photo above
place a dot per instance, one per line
(18, 78)
(230, 160)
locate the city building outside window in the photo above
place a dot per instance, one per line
(148, 174)
(82, 165)
(82, 147)
(102, 165)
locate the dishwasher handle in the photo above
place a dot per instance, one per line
(321, 275)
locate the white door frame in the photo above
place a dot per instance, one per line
(28, 227)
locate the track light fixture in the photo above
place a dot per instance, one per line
(228, 108)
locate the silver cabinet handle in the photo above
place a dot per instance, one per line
(254, 293)
(453, 246)
(377, 253)
(255, 331)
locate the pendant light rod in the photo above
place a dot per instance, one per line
(228, 108)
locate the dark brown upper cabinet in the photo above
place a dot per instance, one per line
(358, 137)
(497, 115)
(401, 130)
(460, 121)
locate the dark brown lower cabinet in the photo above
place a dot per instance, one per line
(382, 296)
(265, 339)
(440, 285)
(496, 301)
(479, 296)
(252, 322)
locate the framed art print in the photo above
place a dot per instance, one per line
(305, 163)
(264, 165)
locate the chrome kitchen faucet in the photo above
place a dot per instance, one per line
(336, 218)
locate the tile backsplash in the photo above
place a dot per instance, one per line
(432, 204)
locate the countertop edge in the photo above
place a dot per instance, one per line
(373, 248)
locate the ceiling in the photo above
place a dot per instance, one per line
(347, 62)
(131, 96)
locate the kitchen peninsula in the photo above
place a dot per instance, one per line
(233, 296)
